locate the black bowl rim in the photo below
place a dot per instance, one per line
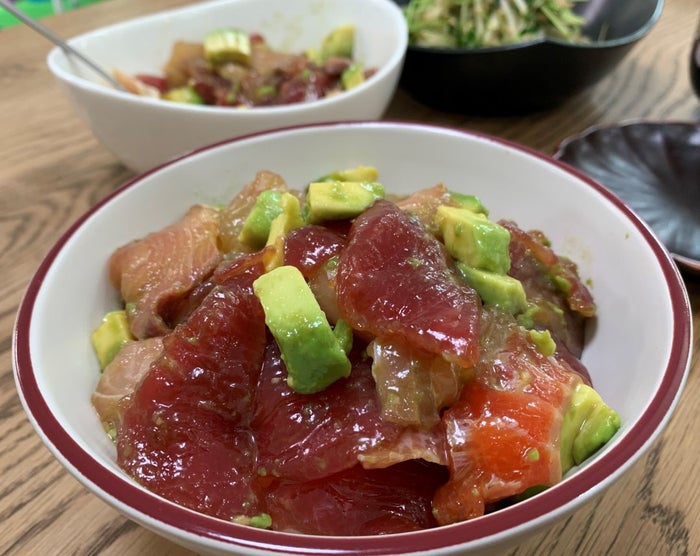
(149, 509)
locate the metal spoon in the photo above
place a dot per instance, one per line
(68, 49)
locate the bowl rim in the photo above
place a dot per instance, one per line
(57, 55)
(149, 509)
(687, 263)
(547, 41)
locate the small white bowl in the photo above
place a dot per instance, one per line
(143, 132)
(638, 353)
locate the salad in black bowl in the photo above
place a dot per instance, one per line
(501, 57)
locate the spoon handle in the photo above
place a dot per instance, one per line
(68, 49)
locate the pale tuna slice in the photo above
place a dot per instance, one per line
(121, 377)
(153, 274)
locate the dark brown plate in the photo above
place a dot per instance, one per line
(654, 167)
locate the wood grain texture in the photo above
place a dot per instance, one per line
(52, 170)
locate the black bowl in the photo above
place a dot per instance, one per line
(529, 76)
(654, 167)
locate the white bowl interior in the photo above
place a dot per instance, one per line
(629, 348)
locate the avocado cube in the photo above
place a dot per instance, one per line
(109, 337)
(288, 219)
(339, 200)
(227, 45)
(500, 290)
(256, 227)
(474, 239)
(353, 76)
(261, 521)
(588, 424)
(344, 334)
(358, 173)
(543, 341)
(184, 94)
(471, 202)
(314, 56)
(308, 346)
(339, 42)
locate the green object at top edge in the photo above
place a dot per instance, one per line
(38, 9)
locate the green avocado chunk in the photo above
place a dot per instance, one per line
(358, 173)
(587, 425)
(500, 290)
(344, 335)
(471, 202)
(338, 200)
(474, 239)
(227, 45)
(289, 218)
(309, 348)
(261, 521)
(109, 337)
(185, 94)
(353, 76)
(543, 341)
(339, 42)
(256, 226)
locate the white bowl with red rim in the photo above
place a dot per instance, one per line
(636, 284)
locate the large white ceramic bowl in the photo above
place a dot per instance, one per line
(638, 353)
(143, 132)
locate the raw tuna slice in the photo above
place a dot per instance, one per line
(424, 203)
(186, 434)
(503, 433)
(552, 282)
(412, 443)
(121, 377)
(413, 386)
(155, 273)
(359, 501)
(561, 269)
(395, 279)
(308, 248)
(310, 436)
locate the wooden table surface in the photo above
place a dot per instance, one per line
(52, 170)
